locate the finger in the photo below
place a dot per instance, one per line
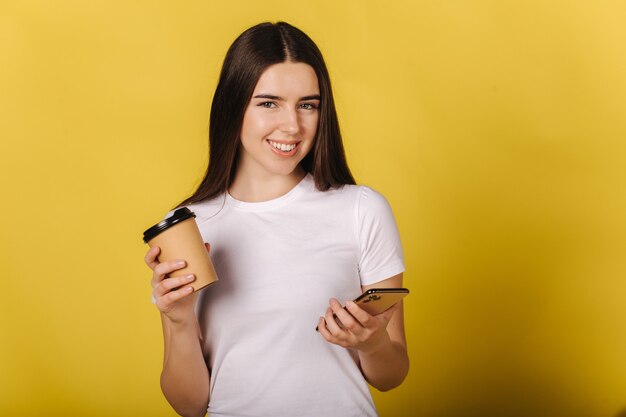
(168, 267)
(164, 268)
(173, 296)
(323, 330)
(361, 315)
(331, 323)
(334, 304)
(168, 284)
(151, 256)
(207, 245)
(346, 319)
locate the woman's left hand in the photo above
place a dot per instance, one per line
(354, 327)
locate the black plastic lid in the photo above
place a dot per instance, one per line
(179, 215)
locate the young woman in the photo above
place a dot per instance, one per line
(291, 238)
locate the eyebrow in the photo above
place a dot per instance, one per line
(272, 97)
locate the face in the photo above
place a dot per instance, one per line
(280, 122)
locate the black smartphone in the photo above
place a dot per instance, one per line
(377, 300)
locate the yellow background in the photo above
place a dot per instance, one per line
(496, 129)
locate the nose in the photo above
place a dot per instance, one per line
(289, 122)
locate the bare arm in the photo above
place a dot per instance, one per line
(379, 340)
(185, 376)
(385, 364)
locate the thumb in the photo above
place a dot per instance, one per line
(207, 245)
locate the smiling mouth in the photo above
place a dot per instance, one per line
(283, 147)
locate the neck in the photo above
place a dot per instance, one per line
(254, 189)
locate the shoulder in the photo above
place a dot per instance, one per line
(203, 210)
(362, 203)
(374, 215)
(342, 194)
(372, 202)
(362, 197)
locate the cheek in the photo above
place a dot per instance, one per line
(254, 125)
(310, 126)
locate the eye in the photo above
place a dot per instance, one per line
(267, 104)
(308, 106)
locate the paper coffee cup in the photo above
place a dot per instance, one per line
(178, 237)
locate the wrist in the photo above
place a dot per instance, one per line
(181, 323)
(376, 346)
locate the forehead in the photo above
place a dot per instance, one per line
(287, 79)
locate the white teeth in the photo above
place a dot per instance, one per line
(283, 146)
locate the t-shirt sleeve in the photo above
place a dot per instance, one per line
(380, 248)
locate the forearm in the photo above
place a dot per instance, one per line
(185, 376)
(386, 366)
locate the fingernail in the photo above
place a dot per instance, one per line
(179, 263)
(189, 289)
(189, 277)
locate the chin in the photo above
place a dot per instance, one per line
(284, 170)
(285, 173)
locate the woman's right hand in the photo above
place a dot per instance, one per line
(173, 296)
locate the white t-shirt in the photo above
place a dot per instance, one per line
(279, 262)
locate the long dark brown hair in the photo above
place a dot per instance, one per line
(252, 52)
